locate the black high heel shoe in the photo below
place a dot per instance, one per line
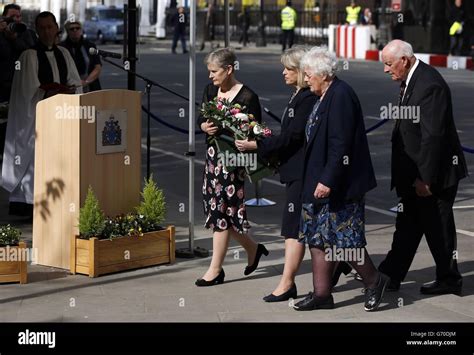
(342, 267)
(291, 293)
(260, 250)
(217, 281)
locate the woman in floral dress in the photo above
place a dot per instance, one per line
(223, 190)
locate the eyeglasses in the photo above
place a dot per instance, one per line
(74, 28)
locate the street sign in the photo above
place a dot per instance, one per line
(396, 5)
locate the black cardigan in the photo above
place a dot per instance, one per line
(288, 145)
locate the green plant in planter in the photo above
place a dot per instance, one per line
(152, 209)
(91, 217)
(9, 235)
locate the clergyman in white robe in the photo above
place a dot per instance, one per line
(19, 153)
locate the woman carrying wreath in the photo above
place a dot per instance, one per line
(223, 190)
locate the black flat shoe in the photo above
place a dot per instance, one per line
(251, 268)
(217, 281)
(442, 288)
(291, 293)
(373, 296)
(312, 302)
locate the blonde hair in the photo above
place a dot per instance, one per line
(291, 59)
(222, 57)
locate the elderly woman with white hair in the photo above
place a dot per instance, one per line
(337, 173)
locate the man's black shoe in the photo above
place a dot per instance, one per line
(311, 302)
(373, 296)
(442, 288)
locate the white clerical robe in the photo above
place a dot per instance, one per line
(19, 152)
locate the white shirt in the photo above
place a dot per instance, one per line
(410, 74)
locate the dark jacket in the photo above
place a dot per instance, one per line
(430, 149)
(10, 51)
(457, 14)
(288, 145)
(337, 153)
(179, 22)
(77, 53)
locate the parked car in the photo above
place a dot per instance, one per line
(104, 23)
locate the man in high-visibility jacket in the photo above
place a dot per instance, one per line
(288, 24)
(456, 34)
(353, 13)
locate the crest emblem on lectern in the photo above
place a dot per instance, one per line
(112, 133)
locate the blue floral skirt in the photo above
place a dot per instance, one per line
(323, 228)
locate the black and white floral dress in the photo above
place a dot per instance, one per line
(223, 191)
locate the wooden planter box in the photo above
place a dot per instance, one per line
(14, 271)
(96, 257)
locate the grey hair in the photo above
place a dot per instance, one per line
(222, 57)
(320, 61)
(399, 48)
(291, 59)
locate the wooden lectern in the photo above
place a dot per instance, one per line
(68, 160)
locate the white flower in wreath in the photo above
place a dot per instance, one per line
(230, 211)
(242, 117)
(213, 183)
(211, 152)
(217, 170)
(213, 206)
(240, 213)
(230, 190)
(257, 130)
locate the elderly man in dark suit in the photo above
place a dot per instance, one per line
(427, 164)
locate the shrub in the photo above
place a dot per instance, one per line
(152, 209)
(91, 217)
(9, 235)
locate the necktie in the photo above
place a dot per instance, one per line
(403, 85)
(312, 119)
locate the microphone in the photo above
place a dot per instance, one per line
(95, 51)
